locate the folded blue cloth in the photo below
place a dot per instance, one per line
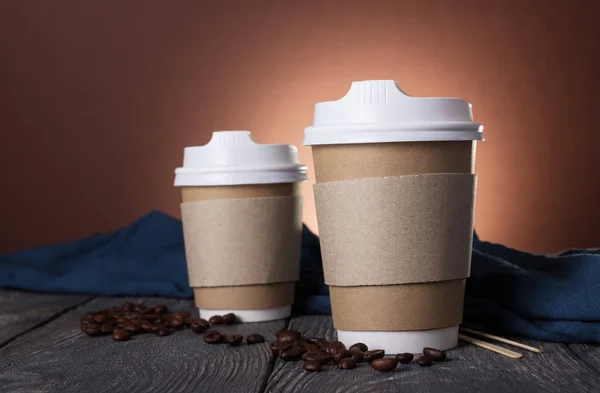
(554, 298)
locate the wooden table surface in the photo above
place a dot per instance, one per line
(43, 350)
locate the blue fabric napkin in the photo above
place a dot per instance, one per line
(555, 298)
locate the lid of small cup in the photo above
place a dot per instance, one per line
(233, 157)
(378, 111)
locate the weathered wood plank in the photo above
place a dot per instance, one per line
(22, 311)
(469, 369)
(59, 358)
(588, 353)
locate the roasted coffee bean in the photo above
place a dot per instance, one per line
(404, 358)
(100, 318)
(198, 325)
(435, 354)
(146, 326)
(161, 321)
(215, 320)
(121, 320)
(113, 310)
(312, 366)
(289, 353)
(134, 327)
(181, 314)
(152, 317)
(234, 340)
(213, 337)
(357, 356)
(162, 332)
(424, 361)
(140, 308)
(176, 323)
(121, 335)
(255, 339)
(288, 336)
(359, 346)
(319, 342)
(154, 328)
(347, 364)
(89, 316)
(91, 330)
(374, 354)
(384, 364)
(274, 347)
(161, 309)
(106, 328)
(229, 319)
(128, 307)
(341, 355)
(319, 356)
(335, 347)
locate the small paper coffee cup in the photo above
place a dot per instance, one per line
(242, 220)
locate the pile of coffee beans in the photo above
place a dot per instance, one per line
(316, 353)
(127, 320)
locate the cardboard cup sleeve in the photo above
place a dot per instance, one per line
(235, 242)
(396, 230)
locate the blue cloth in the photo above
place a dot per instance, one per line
(554, 298)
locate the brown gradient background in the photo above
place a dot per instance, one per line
(98, 100)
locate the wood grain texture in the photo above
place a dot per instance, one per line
(59, 358)
(22, 311)
(589, 354)
(469, 369)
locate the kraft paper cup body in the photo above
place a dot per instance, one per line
(371, 313)
(256, 302)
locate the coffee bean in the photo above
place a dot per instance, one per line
(424, 361)
(152, 317)
(234, 340)
(154, 328)
(140, 308)
(384, 364)
(288, 336)
(404, 358)
(319, 356)
(374, 354)
(300, 345)
(274, 347)
(121, 335)
(134, 327)
(319, 342)
(229, 319)
(106, 328)
(91, 330)
(435, 354)
(215, 320)
(347, 364)
(359, 346)
(162, 332)
(100, 318)
(128, 307)
(198, 325)
(335, 347)
(181, 314)
(357, 356)
(113, 310)
(161, 309)
(312, 366)
(255, 339)
(146, 326)
(176, 323)
(341, 355)
(212, 337)
(121, 320)
(161, 321)
(289, 353)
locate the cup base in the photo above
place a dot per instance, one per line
(243, 316)
(406, 341)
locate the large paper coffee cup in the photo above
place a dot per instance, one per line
(394, 198)
(242, 219)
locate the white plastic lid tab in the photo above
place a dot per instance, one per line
(379, 111)
(233, 157)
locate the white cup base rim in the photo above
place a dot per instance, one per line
(243, 316)
(403, 341)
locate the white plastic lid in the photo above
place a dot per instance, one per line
(233, 157)
(379, 111)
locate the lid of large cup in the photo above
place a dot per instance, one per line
(233, 157)
(379, 111)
